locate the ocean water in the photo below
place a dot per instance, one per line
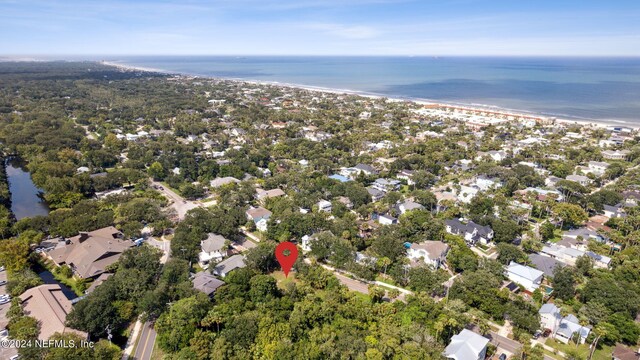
(606, 89)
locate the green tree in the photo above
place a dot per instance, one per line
(157, 171)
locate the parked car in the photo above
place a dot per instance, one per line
(4, 301)
(1, 268)
(4, 334)
(503, 356)
(3, 282)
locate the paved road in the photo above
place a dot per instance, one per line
(145, 344)
(504, 343)
(353, 285)
(163, 245)
(178, 203)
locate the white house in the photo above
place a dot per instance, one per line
(549, 317)
(324, 205)
(467, 345)
(580, 179)
(466, 193)
(212, 249)
(432, 253)
(615, 155)
(471, 231)
(526, 276)
(597, 167)
(387, 220)
(386, 185)
(569, 326)
(408, 206)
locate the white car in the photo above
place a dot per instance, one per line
(14, 357)
(4, 301)
(1, 268)
(3, 282)
(4, 334)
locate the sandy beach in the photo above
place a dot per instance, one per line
(319, 89)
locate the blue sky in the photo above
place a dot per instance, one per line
(320, 27)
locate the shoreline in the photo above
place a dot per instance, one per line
(419, 101)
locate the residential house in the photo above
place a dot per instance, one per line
(406, 175)
(526, 276)
(467, 345)
(50, 307)
(263, 195)
(432, 253)
(615, 155)
(407, 205)
(213, 248)
(376, 194)
(569, 255)
(550, 317)
(484, 183)
(306, 240)
(580, 179)
(368, 170)
(90, 253)
(260, 217)
(217, 182)
(471, 231)
(324, 205)
(545, 264)
(228, 265)
(570, 325)
(597, 167)
(616, 211)
(258, 213)
(207, 283)
(387, 220)
(621, 352)
(466, 193)
(386, 185)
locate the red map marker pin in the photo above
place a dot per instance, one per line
(286, 260)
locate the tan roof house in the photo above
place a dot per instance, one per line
(89, 253)
(48, 305)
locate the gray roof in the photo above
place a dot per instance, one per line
(458, 226)
(374, 192)
(365, 167)
(232, 263)
(570, 325)
(212, 243)
(466, 345)
(206, 283)
(550, 309)
(523, 271)
(545, 264)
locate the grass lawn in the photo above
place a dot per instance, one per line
(71, 282)
(282, 281)
(385, 279)
(604, 353)
(157, 353)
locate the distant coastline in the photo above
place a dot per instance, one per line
(420, 101)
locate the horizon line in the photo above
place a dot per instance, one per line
(62, 56)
